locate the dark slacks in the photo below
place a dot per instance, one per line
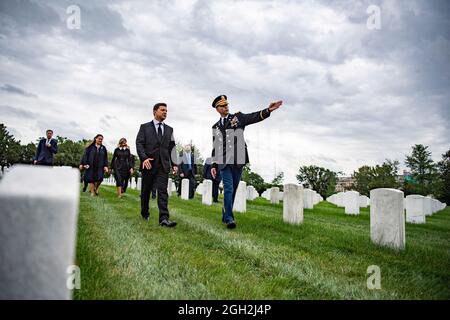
(158, 178)
(191, 185)
(231, 175)
(215, 190)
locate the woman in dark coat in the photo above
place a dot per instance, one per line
(95, 162)
(122, 163)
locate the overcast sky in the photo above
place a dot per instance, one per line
(352, 95)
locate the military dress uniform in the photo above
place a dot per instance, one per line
(230, 154)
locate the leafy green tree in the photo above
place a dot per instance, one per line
(27, 153)
(363, 177)
(278, 180)
(319, 179)
(253, 179)
(444, 177)
(69, 152)
(379, 176)
(10, 148)
(423, 169)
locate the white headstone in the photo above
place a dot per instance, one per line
(340, 199)
(415, 208)
(274, 197)
(266, 194)
(308, 199)
(185, 189)
(240, 201)
(363, 201)
(139, 184)
(199, 189)
(428, 206)
(436, 204)
(387, 218)
(39, 211)
(252, 194)
(293, 204)
(169, 187)
(351, 202)
(207, 192)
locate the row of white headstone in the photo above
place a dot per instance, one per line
(352, 201)
(310, 197)
(243, 193)
(137, 185)
(387, 212)
(417, 207)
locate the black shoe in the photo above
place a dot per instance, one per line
(231, 225)
(167, 223)
(147, 218)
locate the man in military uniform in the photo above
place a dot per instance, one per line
(229, 154)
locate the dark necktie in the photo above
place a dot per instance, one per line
(160, 131)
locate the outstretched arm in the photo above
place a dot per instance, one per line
(255, 117)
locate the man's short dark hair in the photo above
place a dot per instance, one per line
(159, 104)
(49, 130)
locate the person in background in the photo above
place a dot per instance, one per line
(215, 181)
(46, 148)
(188, 169)
(122, 164)
(95, 162)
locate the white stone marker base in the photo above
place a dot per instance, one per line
(207, 192)
(185, 189)
(240, 201)
(274, 195)
(39, 211)
(351, 202)
(387, 219)
(415, 208)
(293, 204)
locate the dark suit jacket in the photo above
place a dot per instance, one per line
(229, 145)
(184, 167)
(148, 145)
(94, 164)
(44, 155)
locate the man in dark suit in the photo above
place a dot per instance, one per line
(155, 144)
(230, 150)
(188, 169)
(47, 147)
(215, 181)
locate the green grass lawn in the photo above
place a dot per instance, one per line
(123, 257)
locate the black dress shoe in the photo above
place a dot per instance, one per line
(167, 223)
(146, 218)
(231, 225)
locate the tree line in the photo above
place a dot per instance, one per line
(426, 177)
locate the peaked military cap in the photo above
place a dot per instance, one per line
(220, 101)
